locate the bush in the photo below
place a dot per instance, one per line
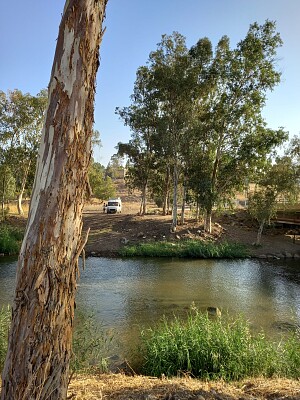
(4, 328)
(216, 349)
(186, 249)
(10, 239)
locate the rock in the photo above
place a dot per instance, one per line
(296, 256)
(177, 237)
(124, 240)
(278, 256)
(214, 311)
(262, 256)
(140, 234)
(288, 255)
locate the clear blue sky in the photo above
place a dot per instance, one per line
(28, 32)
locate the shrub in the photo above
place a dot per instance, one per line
(219, 348)
(10, 239)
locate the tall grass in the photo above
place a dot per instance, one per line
(186, 249)
(4, 327)
(90, 346)
(216, 349)
(90, 343)
(10, 239)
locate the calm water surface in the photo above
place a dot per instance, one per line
(125, 294)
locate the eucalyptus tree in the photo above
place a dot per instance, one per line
(162, 108)
(142, 118)
(232, 135)
(175, 79)
(39, 349)
(21, 120)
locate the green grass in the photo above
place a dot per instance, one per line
(4, 327)
(217, 349)
(186, 249)
(10, 239)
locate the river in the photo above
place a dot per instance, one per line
(126, 294)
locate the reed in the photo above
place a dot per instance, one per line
(220, 348)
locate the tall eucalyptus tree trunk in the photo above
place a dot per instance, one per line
(37, 363)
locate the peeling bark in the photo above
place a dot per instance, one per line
(39, 350)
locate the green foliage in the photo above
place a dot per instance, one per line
(4, 328)
(186, 249)
(7, 183)
(21, 121)
(262, 205)
(102, 187)
(196, 117)
(279, 180)
(10, 239)
(90, 344)
(220, 348)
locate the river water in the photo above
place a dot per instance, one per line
(126, 294)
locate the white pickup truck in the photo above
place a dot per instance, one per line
(114, 206)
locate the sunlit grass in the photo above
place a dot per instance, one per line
(186, 249)
(219, 348)
(98, 232)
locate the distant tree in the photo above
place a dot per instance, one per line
(102, 186)
(7, 186)
(21, 121)
(39, 349)
(115, 167)
(141, 117)
(280, 180)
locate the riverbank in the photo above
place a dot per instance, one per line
(110, 232)
(121, 387)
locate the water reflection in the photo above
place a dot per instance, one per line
(125, 294)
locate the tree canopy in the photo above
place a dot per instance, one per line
(196, 117)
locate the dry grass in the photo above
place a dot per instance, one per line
(121, 387)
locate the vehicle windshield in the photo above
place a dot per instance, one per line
(113, 203)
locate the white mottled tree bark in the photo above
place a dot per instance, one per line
(37, 362)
